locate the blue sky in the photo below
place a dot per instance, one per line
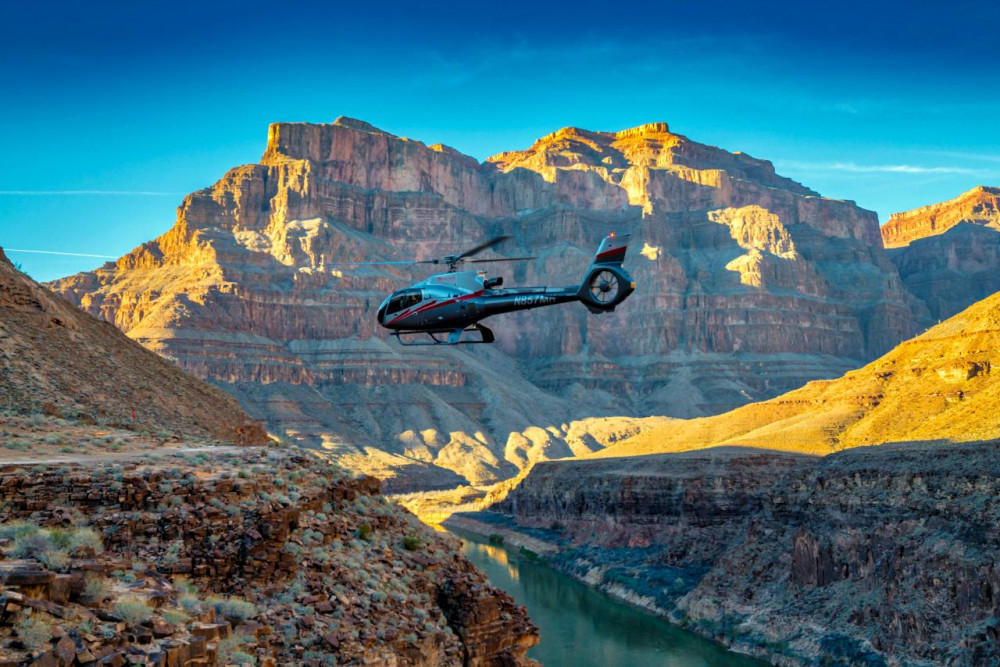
(113, 111)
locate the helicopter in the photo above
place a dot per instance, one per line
(447, 306)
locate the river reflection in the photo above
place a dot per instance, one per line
(581, 627)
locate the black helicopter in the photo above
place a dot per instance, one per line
(448, 305)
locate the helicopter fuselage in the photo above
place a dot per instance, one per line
(460, 299)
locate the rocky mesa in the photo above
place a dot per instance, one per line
(749, 284)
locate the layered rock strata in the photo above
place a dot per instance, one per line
(878, 555)
(749, 284)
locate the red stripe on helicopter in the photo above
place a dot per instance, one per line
(615, 254)
(432, 305)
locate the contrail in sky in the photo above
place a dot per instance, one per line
(141, 193)
(56, 252)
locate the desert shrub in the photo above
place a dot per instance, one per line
(17, 444)
(175, 617)
(32, 545)
(16, 529)
(34, 633)
(234, 608)
(52, 439)
(86, 538)
(95, 590)
(54, 560)
(412, 542)
(192, 604)
(365, 532)
(496, 539)
(133, 611)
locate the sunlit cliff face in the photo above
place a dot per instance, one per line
(747, 284)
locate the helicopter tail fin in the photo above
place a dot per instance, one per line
(606, 283)
(612, 250)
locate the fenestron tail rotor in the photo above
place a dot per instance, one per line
(604, 286)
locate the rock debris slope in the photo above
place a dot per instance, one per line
(749, 284)
(54, 357)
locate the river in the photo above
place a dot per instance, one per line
(581, 627)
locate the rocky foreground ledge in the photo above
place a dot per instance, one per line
(875, 556)
(263, 556)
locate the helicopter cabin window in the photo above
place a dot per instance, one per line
(403, 300)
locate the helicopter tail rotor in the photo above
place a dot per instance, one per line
(607, 284)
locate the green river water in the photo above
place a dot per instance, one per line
(581, 627)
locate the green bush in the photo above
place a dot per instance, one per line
(412, 542)
(496, 539)
(133, 611)
(34, 633)
(234, 608)
(192, 604)
(86, 538)
(365, 532)
(16, 529)
(95, 590)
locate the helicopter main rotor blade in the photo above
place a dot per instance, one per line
(482, 246)
(499, 259)
(409, 261)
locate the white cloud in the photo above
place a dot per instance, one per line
(56, 252)
(854, 168)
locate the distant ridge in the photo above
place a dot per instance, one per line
(943, 385)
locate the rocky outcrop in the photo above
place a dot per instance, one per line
(55, 359)
(941, 386)
(979, 206)
(878, 555)
(749, 284)
(948, 254)
(201, 559)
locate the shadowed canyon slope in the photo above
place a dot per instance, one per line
(940, 386)
(872, 555)
(948, 254)
(56, 358)
(748, 285)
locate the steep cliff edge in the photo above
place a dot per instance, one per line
(877, 555)
(254, 556)
(749, 284)
(948, 254)
(940, 386)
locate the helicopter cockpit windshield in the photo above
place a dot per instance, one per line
(400, 301)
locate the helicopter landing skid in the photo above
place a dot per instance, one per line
(454, 336)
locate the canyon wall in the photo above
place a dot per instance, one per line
(948, 254)
(748, 285)
(877, 555)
